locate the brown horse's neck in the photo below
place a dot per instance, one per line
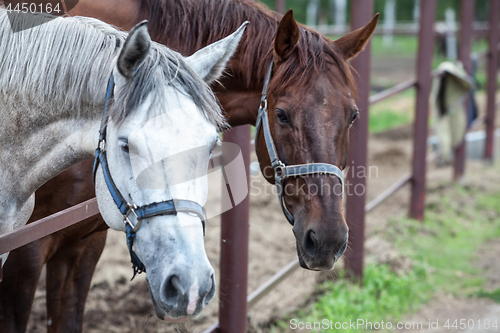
(188, 25)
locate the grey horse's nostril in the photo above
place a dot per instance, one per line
(310, 243)
(173, 289)
(211, 293)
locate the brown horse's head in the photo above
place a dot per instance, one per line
(311, 103)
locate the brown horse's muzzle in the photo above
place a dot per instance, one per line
(320, 229)
(318, 253)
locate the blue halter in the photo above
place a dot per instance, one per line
(168, 207)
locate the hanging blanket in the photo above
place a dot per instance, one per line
(447, 102)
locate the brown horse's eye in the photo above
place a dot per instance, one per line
(353, 118)
(282, 116)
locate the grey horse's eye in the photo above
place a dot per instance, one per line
(124, 146)
(214, 145)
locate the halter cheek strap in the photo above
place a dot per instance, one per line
(168, 207)
(282, 171)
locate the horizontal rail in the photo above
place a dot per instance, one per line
(396, 186)
(398, 88)
(388, 192)
(261, 291)
(59, 220)
(476, 123)
(41, 228)
(264, 288)
(212, 329)
(486, 53)
(384, 94)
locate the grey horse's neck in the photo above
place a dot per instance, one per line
(36, 153)
(53, 81)
(45, 151)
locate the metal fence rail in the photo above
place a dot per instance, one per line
(48, 225)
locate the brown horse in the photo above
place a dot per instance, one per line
(311, 107)
(70, 254)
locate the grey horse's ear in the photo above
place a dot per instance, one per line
(210, 61)
(135, 50)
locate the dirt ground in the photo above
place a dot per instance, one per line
(116, 304)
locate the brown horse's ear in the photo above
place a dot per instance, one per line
(287, 36)
(355, 41)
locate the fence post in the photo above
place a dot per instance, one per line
(280, 6)
(420, 124)
(361, 13)
(234, 248)
(492, 70)
(466, 21)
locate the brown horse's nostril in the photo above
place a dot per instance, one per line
(310, 243)
(342, 249)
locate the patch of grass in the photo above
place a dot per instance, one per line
(387, 119)
(491, 202)
(384, 294)
(401, 46)
(393, 112)
(494, 295)
(449, 237)
(408, 46)
(441, 249)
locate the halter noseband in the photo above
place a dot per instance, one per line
(282, 171)
(168, 207)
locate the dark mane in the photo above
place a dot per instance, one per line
(211, 20)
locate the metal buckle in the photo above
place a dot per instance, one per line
(263, 104)
(126, 220)
(103, 148)
(278, 170)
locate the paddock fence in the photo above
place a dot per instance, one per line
(234, 301)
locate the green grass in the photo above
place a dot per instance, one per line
(494, 295)
(441, 249)
(393, 112)
(386, 120)
(384, 295)
(407, 46)
(402, 46)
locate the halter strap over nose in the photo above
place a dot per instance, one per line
(282, 171)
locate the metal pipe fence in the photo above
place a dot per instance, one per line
(361, 13)
(420, 124)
